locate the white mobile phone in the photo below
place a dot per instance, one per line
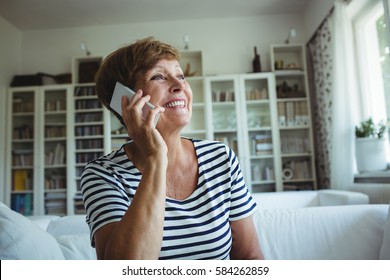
(121, 90)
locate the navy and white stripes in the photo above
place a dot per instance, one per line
(194, 228)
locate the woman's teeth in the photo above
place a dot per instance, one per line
(174, 104)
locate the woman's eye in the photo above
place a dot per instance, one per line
(158, 77)
(181, 77)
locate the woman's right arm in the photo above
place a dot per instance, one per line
(139, 233)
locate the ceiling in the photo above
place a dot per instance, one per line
(52, 14)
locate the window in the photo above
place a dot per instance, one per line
(373, 59)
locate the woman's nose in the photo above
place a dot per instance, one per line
(177, 85)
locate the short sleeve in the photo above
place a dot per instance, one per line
(242, 204)
(105, 199)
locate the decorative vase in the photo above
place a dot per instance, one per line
(371, 154)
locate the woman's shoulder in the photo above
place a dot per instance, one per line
(115, 157)
(205, 143)
(211, 149)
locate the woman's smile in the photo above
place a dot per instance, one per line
(175, 104)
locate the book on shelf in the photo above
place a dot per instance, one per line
(260, 173)
(290, 113)
(257, 94)
(89, 144)
(23, 132)
(84, 91)
(22, 157)
(55, 206)
(90, 130)
(262, 144)
(17, 104)
(21, 180)
(269, 173)
(55, 182)
(298, 113)
(78, 204)
(54, 105)
(295, 144)
(52, 196)
(20, 105)
(88, 104)
(223, 96)
(301, 113)
(282, 114)
(256, 172)
(53, 130)
(22, 203)
(297, 187)
(304, 113)
(56, 156)
(293, 113)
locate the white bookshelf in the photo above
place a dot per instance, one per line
(294, 116)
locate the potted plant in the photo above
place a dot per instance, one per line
(371, 145)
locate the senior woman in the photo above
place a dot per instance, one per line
(163, 196)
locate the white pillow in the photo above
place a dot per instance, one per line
(43, 221)
(68, 225)
(76, 247)
(21, 239)
(385, 249)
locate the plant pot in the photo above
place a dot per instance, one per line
(371, 154)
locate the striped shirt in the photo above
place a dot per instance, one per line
(194, 228)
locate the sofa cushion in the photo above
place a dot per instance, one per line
(43, 221)
(385, 249)
(68, 225)
(76, 247)
(340, 197)
(296, 199)
(326, 233)
(288, 199)
(21, 239)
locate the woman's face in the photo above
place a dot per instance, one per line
(167, 87)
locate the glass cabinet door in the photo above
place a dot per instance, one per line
(55, 150)
(21, 176)
(294, 121)
(225, 119)
(261, 137)
(89, 134)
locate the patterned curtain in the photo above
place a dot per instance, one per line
(320, 75)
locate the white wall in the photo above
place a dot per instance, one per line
(314, 14)
(227, 44)
(10, 50)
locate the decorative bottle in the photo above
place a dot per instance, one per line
(256, 62)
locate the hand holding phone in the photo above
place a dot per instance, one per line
(121, 90)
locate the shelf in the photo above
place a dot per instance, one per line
(85, 68)
(263, 182)
(223, 104)
(294, 117)
(192, 64)
(259, 129)
(271, 155)
(289, 72)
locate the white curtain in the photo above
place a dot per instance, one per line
(344, 101)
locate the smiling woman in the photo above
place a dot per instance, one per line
(163, 196)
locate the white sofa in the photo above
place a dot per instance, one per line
(297, 199)
(288, 232)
